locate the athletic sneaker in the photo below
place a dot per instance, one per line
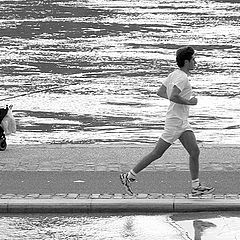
(202, 190)
(127, 183)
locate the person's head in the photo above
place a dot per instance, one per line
(185, 57)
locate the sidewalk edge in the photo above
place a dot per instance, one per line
(11, 206)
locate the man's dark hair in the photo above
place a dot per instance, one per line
(184, 53)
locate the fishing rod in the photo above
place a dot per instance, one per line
(38, 91)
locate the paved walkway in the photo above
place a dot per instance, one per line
(73, 157)
(85, 178)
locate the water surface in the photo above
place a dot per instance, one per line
(113, 55)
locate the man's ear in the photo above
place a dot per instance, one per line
(186, 62)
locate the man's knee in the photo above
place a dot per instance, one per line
(159, 149)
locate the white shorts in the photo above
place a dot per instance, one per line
(174, 128)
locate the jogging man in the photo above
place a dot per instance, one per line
(176, 87)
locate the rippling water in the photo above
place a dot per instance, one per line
(113, 56)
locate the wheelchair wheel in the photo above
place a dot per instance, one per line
(3, 144)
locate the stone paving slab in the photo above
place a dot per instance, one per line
(78, 157)
(119, 196)
(121, 167)
(47, 182)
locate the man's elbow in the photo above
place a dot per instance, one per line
(173, 98)
(162, 95)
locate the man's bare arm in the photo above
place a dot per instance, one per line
(175, 97)
(162, 92)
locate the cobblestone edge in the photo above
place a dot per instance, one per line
(119, 196)
(114, 167)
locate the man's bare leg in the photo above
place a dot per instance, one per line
(127, 178)
(189, 142)
(157, 152)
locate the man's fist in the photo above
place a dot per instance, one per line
(193, 101)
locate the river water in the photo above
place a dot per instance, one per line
(113, 55)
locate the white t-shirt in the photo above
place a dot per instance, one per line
(180, 79)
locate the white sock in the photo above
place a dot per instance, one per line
(195, 183)
(132, 174)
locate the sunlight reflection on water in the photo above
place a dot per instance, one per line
(115, 55)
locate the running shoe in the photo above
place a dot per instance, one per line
(126, 182)
(202, 190)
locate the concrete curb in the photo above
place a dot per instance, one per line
(115, 204)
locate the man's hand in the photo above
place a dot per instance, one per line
(175, 97)
(162, 92)
(193, 101)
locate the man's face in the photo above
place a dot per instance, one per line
(192, 63)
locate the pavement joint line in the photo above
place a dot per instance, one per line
(107, 157)
(119, 196)
(118, 167)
